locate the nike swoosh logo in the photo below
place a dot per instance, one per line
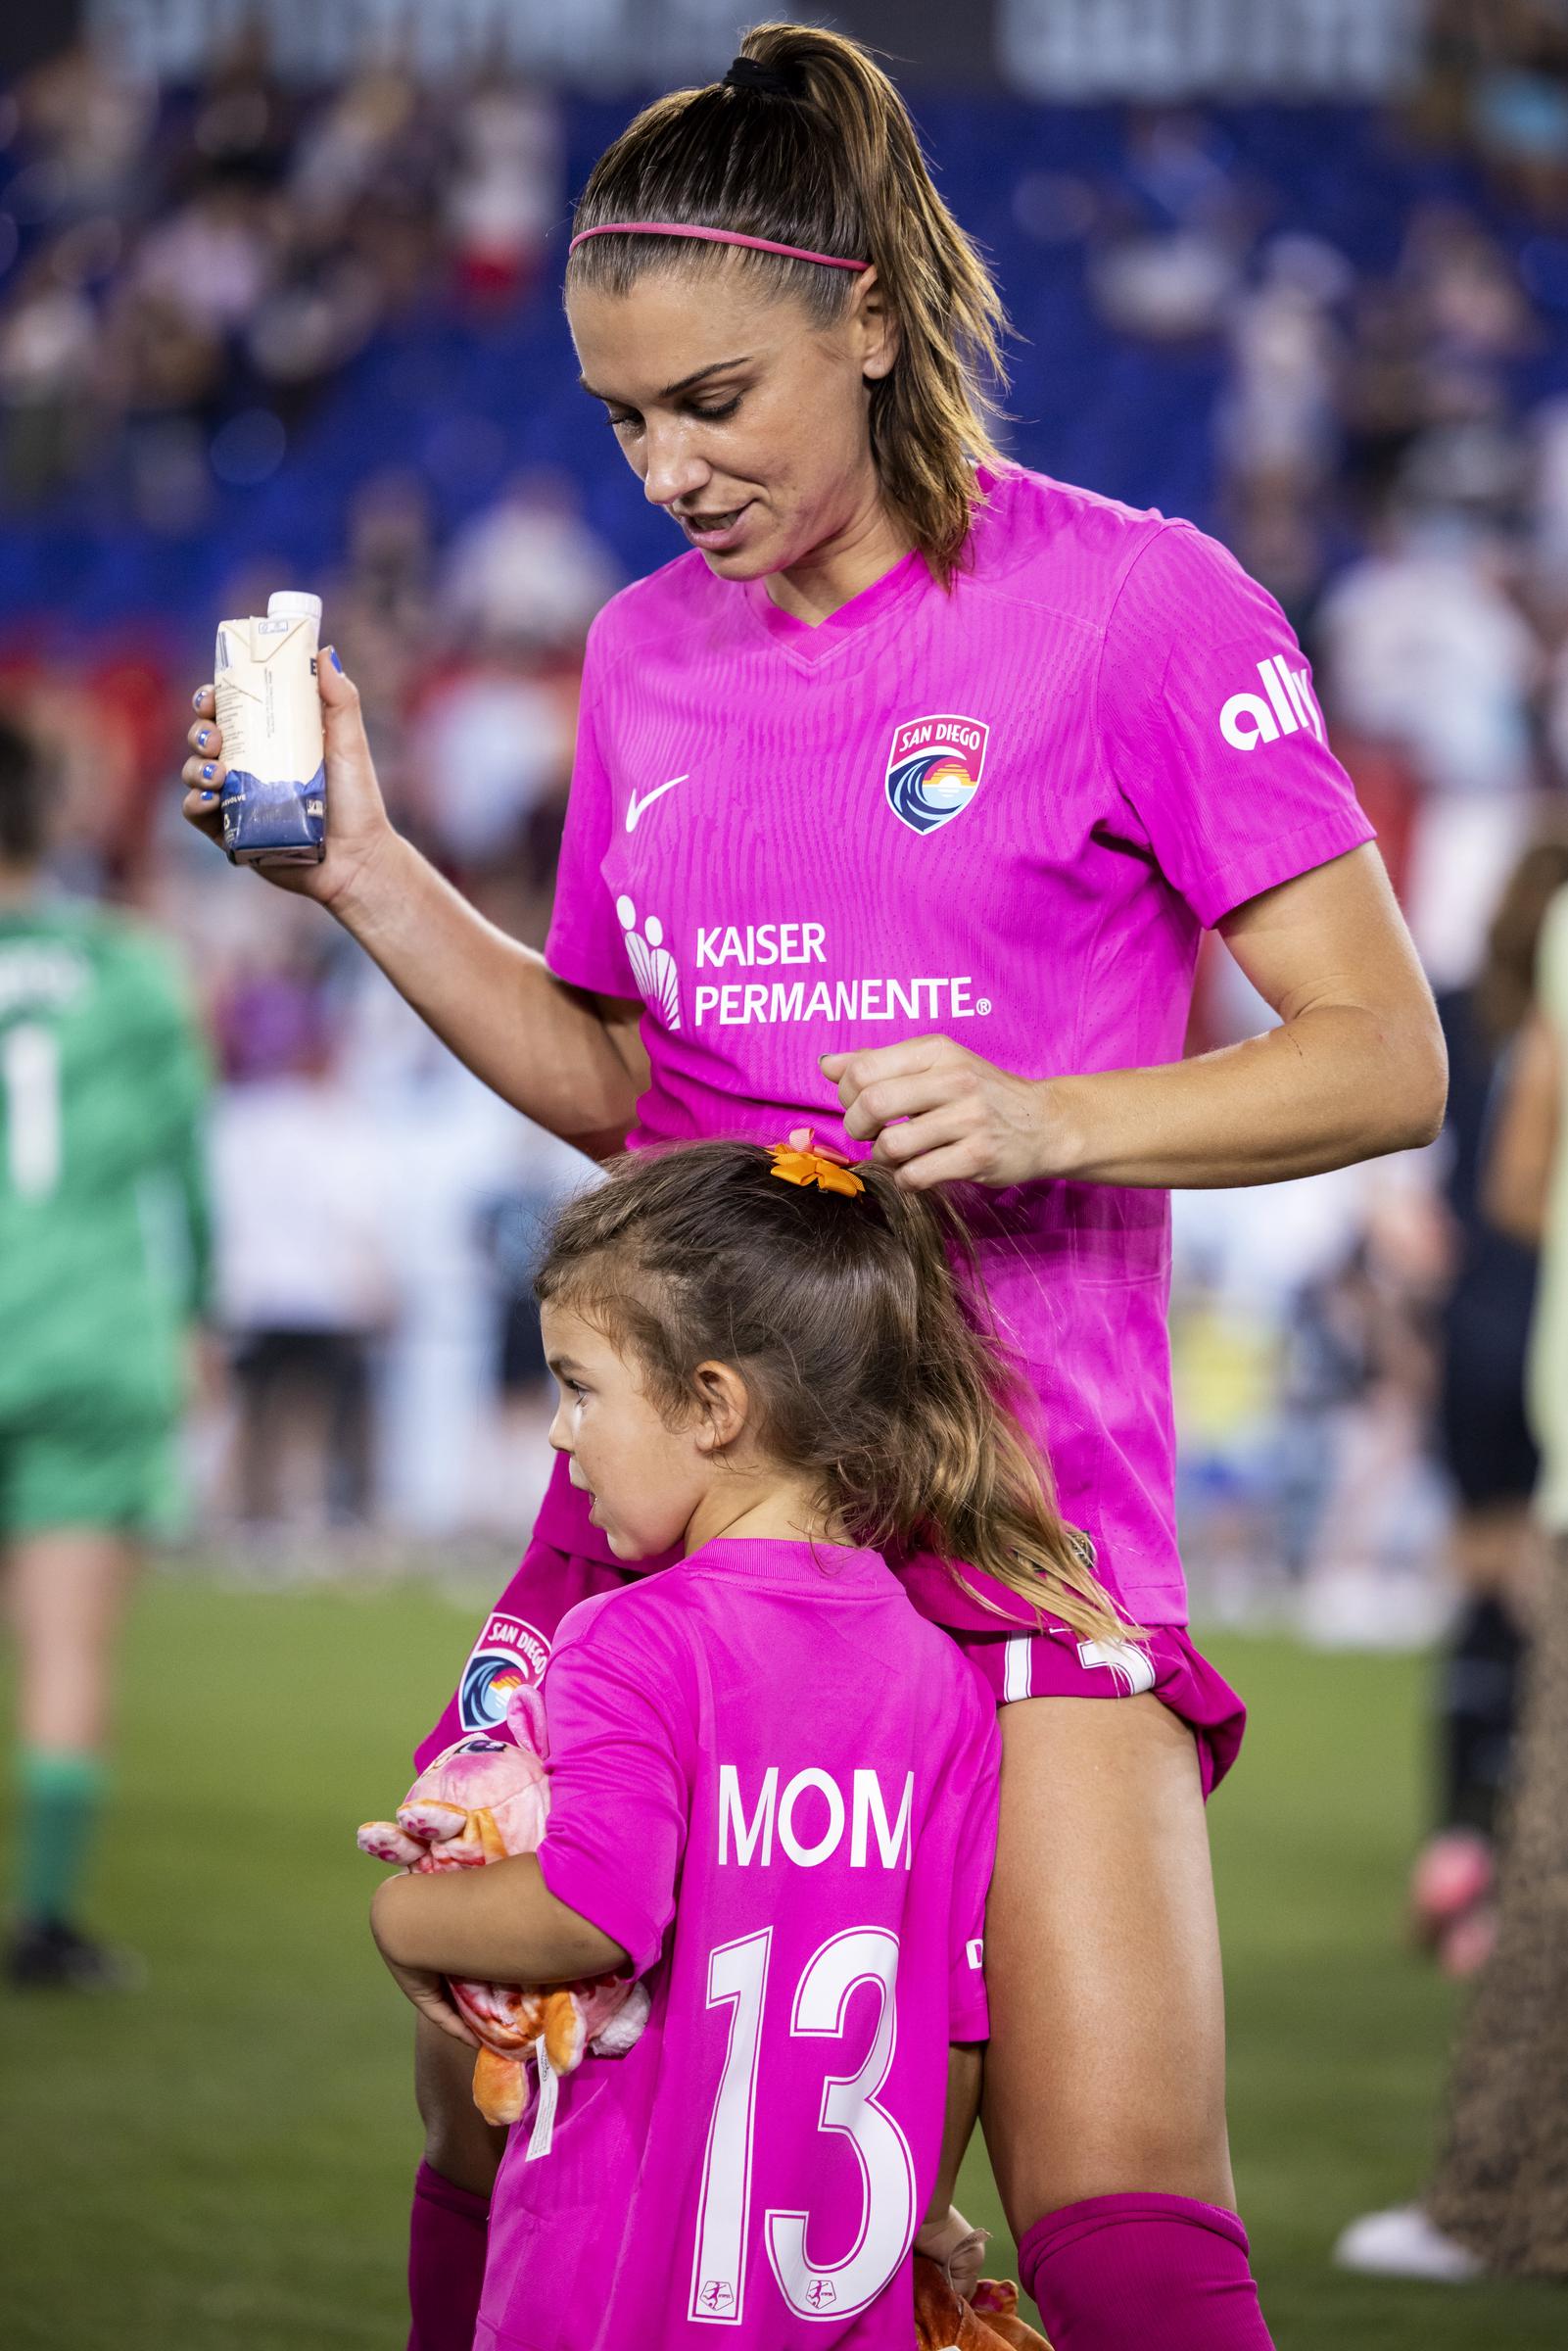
(635, 806)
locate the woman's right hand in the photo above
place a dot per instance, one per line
(358, 828)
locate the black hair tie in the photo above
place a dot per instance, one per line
(746, 74)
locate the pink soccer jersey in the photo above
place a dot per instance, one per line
(1003, 814)
(774, 1784)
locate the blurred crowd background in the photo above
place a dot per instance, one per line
(258, 328)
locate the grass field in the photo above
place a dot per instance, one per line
(221, 2163)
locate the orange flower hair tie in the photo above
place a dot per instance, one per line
(800, 1161)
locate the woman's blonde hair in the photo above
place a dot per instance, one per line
(844, 1316)
(829, 161)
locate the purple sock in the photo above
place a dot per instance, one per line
(1143, 2273)
(446, 2262)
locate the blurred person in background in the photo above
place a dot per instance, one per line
(527, 572)
(507, 190)
(848, 571)
(1426, 650)
(1482, 1436)
(511, 1226)
(303, 1284)
(103, 1238)
(1498, 2203)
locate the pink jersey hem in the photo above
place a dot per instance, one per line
(1278, 861)
(1056, 1663)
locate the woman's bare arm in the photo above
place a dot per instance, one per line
(573, 1062)
(1355, 1067)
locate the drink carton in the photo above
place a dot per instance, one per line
(268, 708)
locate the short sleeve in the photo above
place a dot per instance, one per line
(586, 945)
(1212, 731)
(975, 1772)
(618, 1712)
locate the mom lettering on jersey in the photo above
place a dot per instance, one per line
(809, 1818)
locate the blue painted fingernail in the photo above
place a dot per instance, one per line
(336, 663)
(202, 733)
(198, 698)
(207, 773)
(209, 796)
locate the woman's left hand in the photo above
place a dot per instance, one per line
(962, 1120)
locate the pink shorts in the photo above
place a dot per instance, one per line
(1057, 1663)
(567, 1562)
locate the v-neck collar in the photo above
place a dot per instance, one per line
(807, 640)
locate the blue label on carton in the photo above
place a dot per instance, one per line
(268, 819)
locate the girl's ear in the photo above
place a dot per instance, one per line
(724, 1404)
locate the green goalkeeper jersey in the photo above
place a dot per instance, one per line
(104, 1221)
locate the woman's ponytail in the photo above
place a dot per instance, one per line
(828, 161)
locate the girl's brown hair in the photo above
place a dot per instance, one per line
(844, 1316)
(833, 167)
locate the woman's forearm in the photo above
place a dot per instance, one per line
(542, 1047)
(1333, 1085)
(498, 1925)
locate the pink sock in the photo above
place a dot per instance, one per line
(1143, 2273)
(446, 2262)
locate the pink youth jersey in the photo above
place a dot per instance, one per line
(774, 1784)
(1002, 813)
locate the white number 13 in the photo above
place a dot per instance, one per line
(738, 1977)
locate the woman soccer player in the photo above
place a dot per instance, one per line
(772, 1783)
(907, 791)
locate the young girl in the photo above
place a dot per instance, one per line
(774, 1784)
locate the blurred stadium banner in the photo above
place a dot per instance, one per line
(1067, 50)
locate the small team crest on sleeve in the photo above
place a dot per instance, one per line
(508, 1655)
(935, 769)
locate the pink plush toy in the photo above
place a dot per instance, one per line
(485, 1798)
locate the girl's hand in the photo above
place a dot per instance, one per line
(422, 1985)
(431, 1998)
(358, 828)
(963, 1119)
(957, 2249)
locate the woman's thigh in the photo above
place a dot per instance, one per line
(1106, 2070)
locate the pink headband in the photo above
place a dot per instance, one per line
(710, 236)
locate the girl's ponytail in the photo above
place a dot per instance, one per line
(845, 1316)
(965, 1482)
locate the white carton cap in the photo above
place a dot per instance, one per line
(292, 604)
